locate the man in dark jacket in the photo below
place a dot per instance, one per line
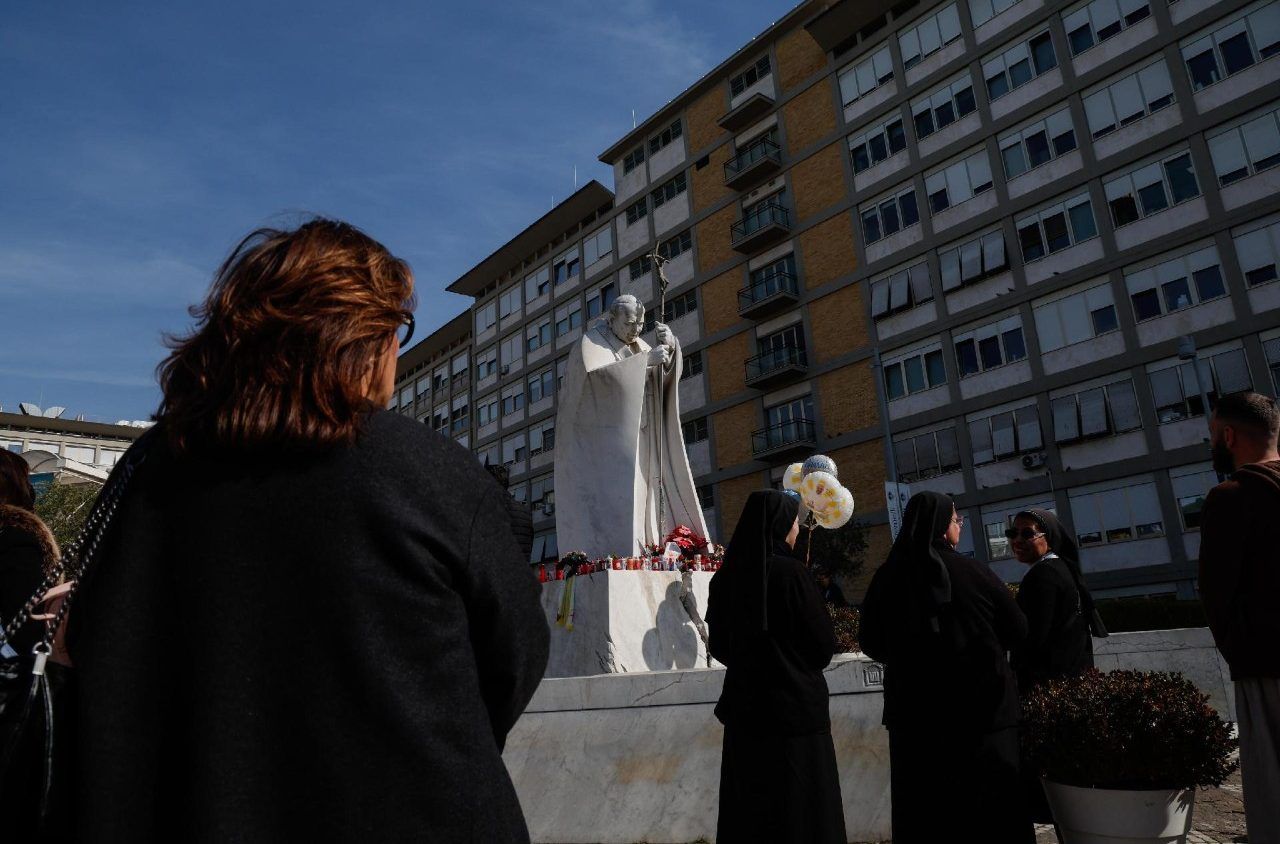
(1240, 587)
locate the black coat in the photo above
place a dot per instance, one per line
(959, 677)
(26, 549)
(774, 682)
(1058, 642)
(328, 648)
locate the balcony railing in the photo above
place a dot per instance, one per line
(776, 365)
(796, 435)
(757, 160)
(746, 112)
(762, 224)
(770, 293)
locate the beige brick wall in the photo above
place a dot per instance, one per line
(838, 323)
(733, 429)
(702, 116)
(731, 496)
(799, 56)
(828, 251)
(848, 399)
(878, 544)
(809, 117)
(725, 365)
(818, 181)
(713, 238)
(720, 301)
(862, 471)
(708, 182)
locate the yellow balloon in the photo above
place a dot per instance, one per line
(793, 477)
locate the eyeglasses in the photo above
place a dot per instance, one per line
(1026, 534)
(958, 521)
(405, 330)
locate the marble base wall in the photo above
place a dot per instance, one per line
(626, 757)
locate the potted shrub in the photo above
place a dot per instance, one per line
(1121, 753)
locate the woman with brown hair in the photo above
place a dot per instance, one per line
(27, 548)
(304, 624)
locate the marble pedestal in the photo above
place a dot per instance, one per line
(626, 621)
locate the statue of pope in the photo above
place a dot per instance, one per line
(617, 435)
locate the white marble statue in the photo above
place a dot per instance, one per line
(618, 434)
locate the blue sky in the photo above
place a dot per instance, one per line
(141, 140)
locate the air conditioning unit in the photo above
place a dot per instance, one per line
(505, 370)
(1034, 461)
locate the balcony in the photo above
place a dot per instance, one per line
(769, 295)
(746, 112)
(756, 161)
(796, 436)
(760, 226)
(776, 366)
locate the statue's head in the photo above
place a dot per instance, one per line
(626, 318)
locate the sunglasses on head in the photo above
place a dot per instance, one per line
(1026, 534)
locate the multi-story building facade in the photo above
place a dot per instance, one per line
(93, 444)
(956, 243)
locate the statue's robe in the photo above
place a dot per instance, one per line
(611, 435)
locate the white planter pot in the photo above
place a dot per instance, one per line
(1106, 816)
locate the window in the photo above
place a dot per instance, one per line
(1095, 412)
(972, 261)
(599, 300)
(1246, 150)
(1191, 484)
(1055, 228)
(458, 367)
(461, 416)
(674, 247)
(667, 191)
(706, 497)
(632, 160)
(541, 491)
(511, 351)
(440, 419)
(1075, 318)
(1175, 284)
(513, 449)
(750, 76)
(636, 211)
(406, 397)
(1232, 48)
(682, 305)
(1100, 20)
(509, 302)
(958, 182)
(597, 246)
(876, 145)
(566, 267)
(537, 283)
(568, 318)
(1151, 189)
(537, 336)
(1128, 99)
(487, 411)
(1176, 389)
(901, 290)
(512, 399)
(943, 106)
(545, 548)
(692, 365)
(542, 437)
(929, 36)
(1036, 144)
(486, 317)
(915, 373)
(639, 267)
(865, 76)
(982, 11)
(440, 378)
(927, 455)
(1004, 435)
(424, 386)
(891, 214)
(1116, 515)
(665, 137)
(695, 430)
(990, 346)
(1271, 349)
(1019, 65)
(800, 410)
(541, 384)
(1259, 253)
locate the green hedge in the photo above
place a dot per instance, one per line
(1159, 612)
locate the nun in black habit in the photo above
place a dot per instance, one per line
(942, 624)
(772, 631)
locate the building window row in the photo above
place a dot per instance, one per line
(1018, 65)
(890, 215)
(665, 137)
(1128, 99)
(753, 74)
(943, 106)
(914, 373)
(1246, 150)
(1151, 189)
(1100, 20)
(990, 346)
(1176, 284)
(1037, 144)
(1233, 47)
(927, 455)
(1095, 412)
(1006, 434)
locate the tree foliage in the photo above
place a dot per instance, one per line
(64, 508)
(843, 551)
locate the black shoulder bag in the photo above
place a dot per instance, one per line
(28, 682)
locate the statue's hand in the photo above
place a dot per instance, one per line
(659, 356)
(666, 336)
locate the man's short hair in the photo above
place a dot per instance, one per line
(626, 299)
(1253, 412)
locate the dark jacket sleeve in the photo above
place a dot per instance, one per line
(508, 629)
(1011, 624)
(815, 635)
(719, 636)
(21, 572)
(873, 623)
(1037, 599)
(1223, 526)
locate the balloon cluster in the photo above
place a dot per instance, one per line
(816, 482)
